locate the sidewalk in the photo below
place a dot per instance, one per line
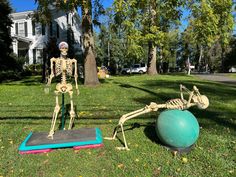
(218, 77)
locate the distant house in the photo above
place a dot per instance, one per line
(30, 38)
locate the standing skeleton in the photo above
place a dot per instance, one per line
(62, 66)
(195, 99)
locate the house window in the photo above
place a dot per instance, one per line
(21, 29)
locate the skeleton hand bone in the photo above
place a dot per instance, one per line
(195, 99)
(77, 91)
(46, 90)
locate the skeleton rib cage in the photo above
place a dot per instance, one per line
(195, 99)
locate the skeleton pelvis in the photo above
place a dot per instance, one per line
(64, 87)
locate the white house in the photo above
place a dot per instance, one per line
(30, 38)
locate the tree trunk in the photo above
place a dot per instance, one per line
(223, 67)
(152, 51)
(90, 67)
(200, 59)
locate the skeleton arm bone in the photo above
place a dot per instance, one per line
(76, 76)
(149, 108)
(191, 95)
(52, 72)
(195, 98)
(46, 89)
(171, 104)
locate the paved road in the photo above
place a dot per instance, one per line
(218, 77)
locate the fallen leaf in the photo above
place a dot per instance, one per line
(157, 171)
(174, 153)
(184, 160)
(46, 161)
(120, 165)
(231, 171)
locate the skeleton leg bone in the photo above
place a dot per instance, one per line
(72, 112)
(54, 117)
(195, 98)
(124, 118)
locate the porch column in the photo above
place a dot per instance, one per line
(15, 46)
(31, 56)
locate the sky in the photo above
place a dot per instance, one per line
(24, 5)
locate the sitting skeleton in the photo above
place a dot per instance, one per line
(62, 66)
(195, 99)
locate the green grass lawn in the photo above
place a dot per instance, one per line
(232, 75)
(24, 107)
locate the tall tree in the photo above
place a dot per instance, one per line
(150, 21)
(90, 68)
(5, 37)
(223, 9)
(203, 23)
(211, 21)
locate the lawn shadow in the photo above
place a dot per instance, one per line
(213, 116)
(37, 80)
(133, 126)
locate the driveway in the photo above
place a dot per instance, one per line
(218, 77)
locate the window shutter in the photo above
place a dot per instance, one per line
(34, 56)
(26, 29)
(58, 31)
(43, 29)
(51, 28)
(16, 28)
(33, 28)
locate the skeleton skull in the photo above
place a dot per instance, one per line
(63, 47)
(202, 101)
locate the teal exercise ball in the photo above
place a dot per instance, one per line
(177, 128)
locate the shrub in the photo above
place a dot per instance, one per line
(9, 75)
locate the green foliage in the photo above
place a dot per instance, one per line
(231, 54)
(204, 23)
(170, 47)
(32, 70)
(148, 23)
(24, 108)
(223, 9)
(5, 38)
(211, 24)
(9, 75)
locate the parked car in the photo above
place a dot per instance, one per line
(232, 69)
(136, 68)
